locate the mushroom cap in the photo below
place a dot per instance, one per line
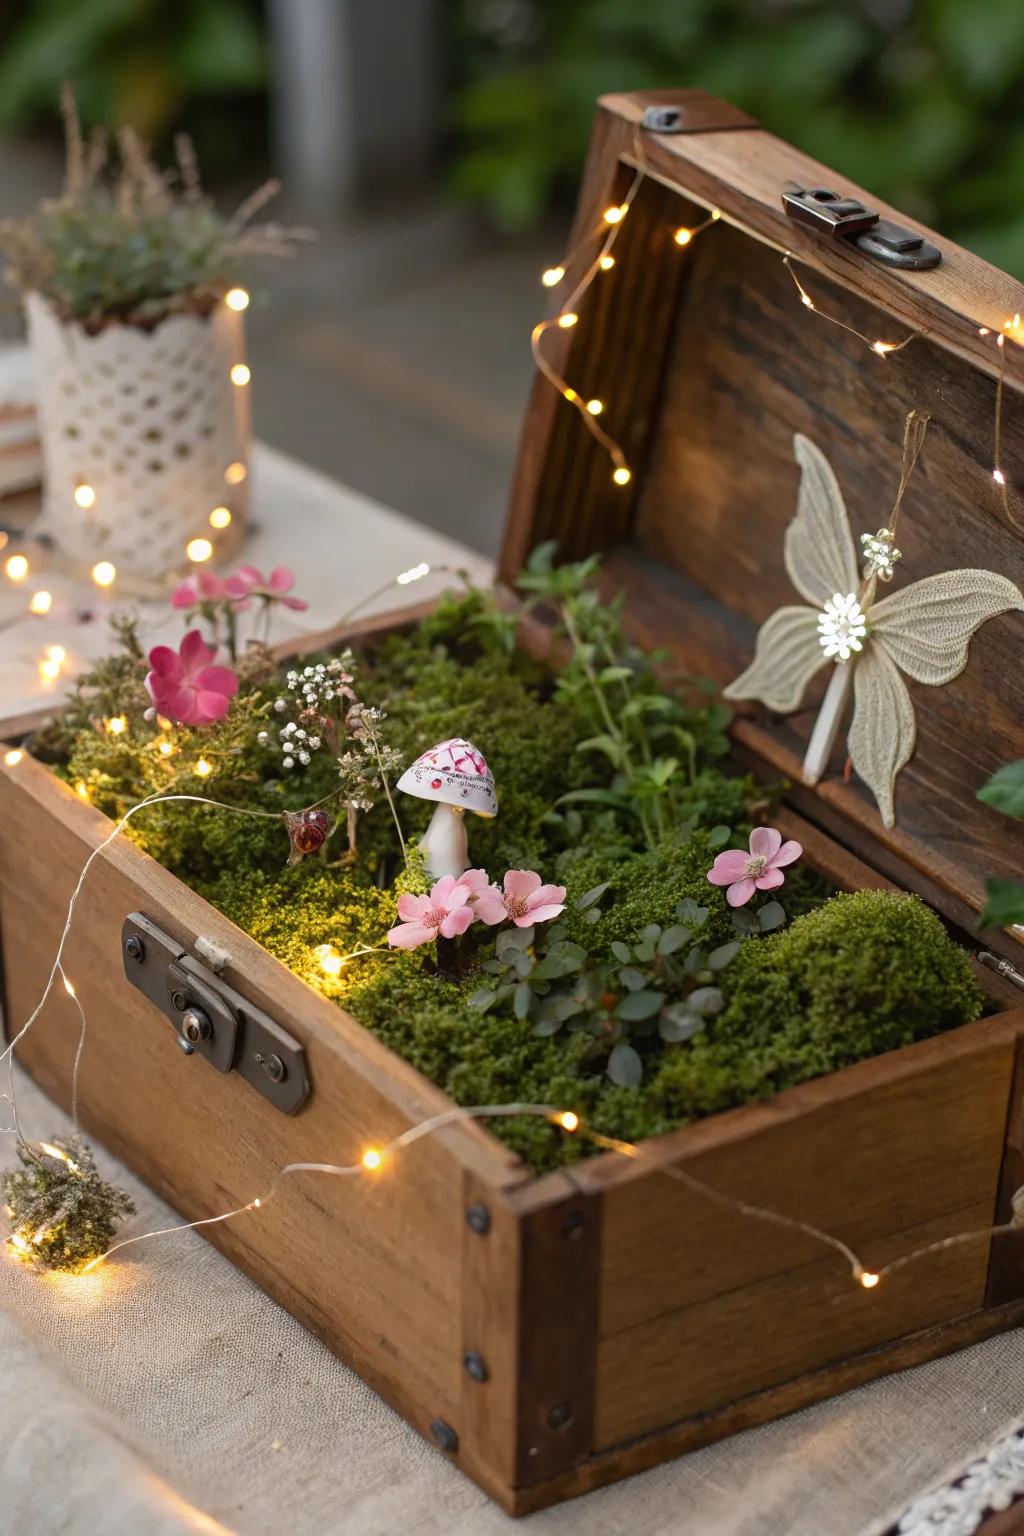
(453, 773)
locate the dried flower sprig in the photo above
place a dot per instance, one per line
(134, 244)
(62, 1213)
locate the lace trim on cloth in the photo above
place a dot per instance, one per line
(987, 1486)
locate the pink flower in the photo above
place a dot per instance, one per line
(758, 870)
(249, 582)
(444, 913)
(184, 685)
(202, 587)
(523, 899)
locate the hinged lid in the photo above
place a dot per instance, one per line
(708, 361)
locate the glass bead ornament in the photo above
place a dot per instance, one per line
(308, 832)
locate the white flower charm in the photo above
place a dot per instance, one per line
(922, 630)
(841, 627)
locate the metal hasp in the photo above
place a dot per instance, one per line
(846, 218)
(211, 1019)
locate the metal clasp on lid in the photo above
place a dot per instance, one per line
(847, 218)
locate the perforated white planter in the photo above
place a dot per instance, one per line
(150, 431)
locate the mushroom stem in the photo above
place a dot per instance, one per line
(445, 844)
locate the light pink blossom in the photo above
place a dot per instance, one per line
(523, 899)
(758, 870)
(445, 913)
(201, 587)
(249, 582)
(185, 685)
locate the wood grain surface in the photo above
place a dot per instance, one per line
(708, 363)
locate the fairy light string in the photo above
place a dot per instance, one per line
(882, 349)
(567, 316)
(378, 1158)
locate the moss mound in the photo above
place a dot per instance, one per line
(609, 782)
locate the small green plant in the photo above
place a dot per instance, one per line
(1005, 791)
(647, 733)
(62, 1213)
(662, 986)
(138, 244)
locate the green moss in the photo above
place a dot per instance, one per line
(847, 979)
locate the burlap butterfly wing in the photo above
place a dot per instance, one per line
(923, 630)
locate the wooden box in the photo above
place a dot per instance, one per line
(552, 1334)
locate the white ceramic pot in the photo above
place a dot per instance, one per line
(147, 429)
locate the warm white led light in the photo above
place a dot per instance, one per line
(103, 573)
(17, 567)
(622, 476)
(198, 550)
(568, 321)
(235, 473)
(241, 373)
(552, 277)
(85, 497)
(220, 517)
(203, 768)
(13, 757)
(606, 263)
(236, 298)
(595, 407)
(41, 602)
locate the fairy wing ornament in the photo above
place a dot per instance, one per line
(921, 631)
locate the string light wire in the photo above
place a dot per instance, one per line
(567, 1119)
(882, 349)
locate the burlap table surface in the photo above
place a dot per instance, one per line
(166, 1394)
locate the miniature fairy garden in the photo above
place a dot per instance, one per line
(534, 884)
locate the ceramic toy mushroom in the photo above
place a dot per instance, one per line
(456, 776)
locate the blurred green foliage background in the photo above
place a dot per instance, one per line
(921, 101)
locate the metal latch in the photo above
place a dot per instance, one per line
(211, 1019)
(847, 218)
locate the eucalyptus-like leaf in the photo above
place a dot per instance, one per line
(719, 836)
(771, 916)
(1005, 904)
(1005, 789)
(522, 999)
(639, 1005)
(744, 921)
(677, 1023)
(560, 960)
(481, 1000)
(621, 951)
(594, 894)
(632, 979)
(719, 958)
(688, 911)
(706, 1000)
(673, 938)
(625, 1067)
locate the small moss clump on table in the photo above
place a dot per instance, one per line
(649, 1002)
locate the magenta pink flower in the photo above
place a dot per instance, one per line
(249, 582)
(523, 899)
(758, 870)
(444, 913)
(185, 686)
(202, 587)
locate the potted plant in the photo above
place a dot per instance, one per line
(134, 290)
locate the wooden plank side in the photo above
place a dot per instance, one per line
(690, 1434)
(371, 1265)
(775, 1330)
(875, 1150)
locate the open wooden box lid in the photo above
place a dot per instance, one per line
(708, 362)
